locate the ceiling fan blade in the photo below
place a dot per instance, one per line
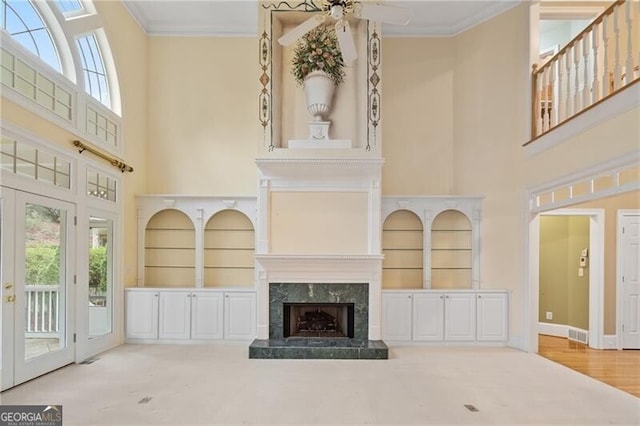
(396, 15)
(301, 30)
(345, 40)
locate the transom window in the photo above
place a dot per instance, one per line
(23, 22)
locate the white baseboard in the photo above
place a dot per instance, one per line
(557, 330)
(611, 341)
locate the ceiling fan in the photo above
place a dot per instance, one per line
(339, 10)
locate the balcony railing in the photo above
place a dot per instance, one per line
(599, 62)
(42, 308)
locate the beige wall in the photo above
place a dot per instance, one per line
(562, 291)
(417, 115)
(318, 222)
(203, 115)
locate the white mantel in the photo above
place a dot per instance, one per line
(310, 176)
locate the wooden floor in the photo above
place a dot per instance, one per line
(620, 369)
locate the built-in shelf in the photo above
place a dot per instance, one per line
(229, 241)
(402, 244)
(451, 254)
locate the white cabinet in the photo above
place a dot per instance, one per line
(460, 317)
(142, 314)
(190, 314)
(174, 315)
(207, 315)
(396, 315)
(428, 317)
(240, 315)
(437, 316)
(493, 309)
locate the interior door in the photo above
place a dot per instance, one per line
(37, 277)
(630, 257)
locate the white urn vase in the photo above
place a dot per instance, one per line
(318, 91)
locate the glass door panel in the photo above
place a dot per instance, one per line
(100, 276)
(45, 279)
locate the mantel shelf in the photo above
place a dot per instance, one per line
(325, 169)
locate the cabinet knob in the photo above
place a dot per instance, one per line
(155, 294)
(479, 297)
(441, 297)
(409, 296)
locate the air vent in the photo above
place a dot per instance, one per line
(578, 335)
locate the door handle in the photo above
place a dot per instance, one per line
(7, 286)
(10, 298)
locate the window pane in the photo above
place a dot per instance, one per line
(94, 73)
(67, 6)
(100, 276)
(25, 25)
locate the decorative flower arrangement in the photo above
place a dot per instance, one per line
(318, 50)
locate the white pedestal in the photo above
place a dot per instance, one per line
(319, 138)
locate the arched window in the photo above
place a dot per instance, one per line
(45, 28)
(25, 25)
(95, 77)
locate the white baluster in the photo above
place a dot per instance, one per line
(568, 103)
(559, 95)
(617, 72)
(538, 104)
(629, 64)
(552, 105)
(605, 57)
(594, 46)
(49, 328)
(29, 309)
(576, 88)
(544, 103)
(585, 61)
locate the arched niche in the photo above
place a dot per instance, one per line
(402, 246)
(229, 247)
(451, 251)
(169, 251)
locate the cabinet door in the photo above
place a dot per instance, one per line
(142, 315)
(492, 317)
(460, 317)
(239, 316)
(175, 315)
(207, 315)
(428, 316)
(396, 316)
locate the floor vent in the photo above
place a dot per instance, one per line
(578, 335)
(471, 408)
(89, 361)
(145, 400)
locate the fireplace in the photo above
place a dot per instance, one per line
(315, 304)
(330, 320)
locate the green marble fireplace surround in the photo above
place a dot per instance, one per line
(279, 347)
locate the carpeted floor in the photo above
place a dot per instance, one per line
(212, 384)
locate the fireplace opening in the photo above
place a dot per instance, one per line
(333, 320)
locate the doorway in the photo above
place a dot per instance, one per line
(595, 272)
(37, 275)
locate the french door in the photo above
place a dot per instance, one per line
(37, 275)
